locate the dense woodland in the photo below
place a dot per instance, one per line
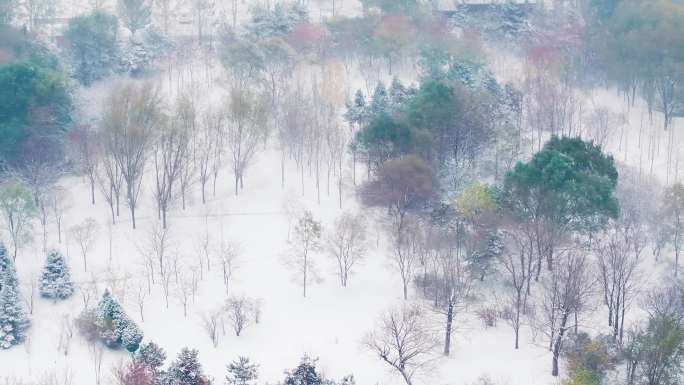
(462, 145)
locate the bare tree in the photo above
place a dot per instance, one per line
(211, 321)
(59, 202)
(18, 208)
(517, 265)
(184, 288)
(96, 351)
(566, 294)
(85, 149)
(238, 310)
(246, 129)
(206, 142)
(403, 341)
(347, 244)
(227, 255)
(128, 125)
(84, 234)
(156, 248)
(110, 181)
(617, 272)
(170, 151)
(405, 255)
(66, 333)
(306, 241)
(186, 117)
(140, 295)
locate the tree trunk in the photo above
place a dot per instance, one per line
(133, 215)
(558, 344)
(449, 323)
(92, 191)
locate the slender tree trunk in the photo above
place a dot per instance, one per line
(133, 215)
(558, 344)
(449, 323)
(92, 191)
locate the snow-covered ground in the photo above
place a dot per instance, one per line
(330, 323)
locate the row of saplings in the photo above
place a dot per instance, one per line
(145, 368)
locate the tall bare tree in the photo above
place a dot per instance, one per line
(617, 265)
(128, 124)
(347, 244)
(246, 129)
(303, 245)
(110, 182)
(567, 292)
(207, 141)
(84, 234)
(517, 263)
(170, 151)
(85, 150)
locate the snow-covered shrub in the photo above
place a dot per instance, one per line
(142, 52)
(55, 282)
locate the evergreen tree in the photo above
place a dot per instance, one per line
(356, 113)
(151, 355)
(115, 328)
(304, 374)
(13, 318)
(380, 101)
(56, 279)
(4, 261)
(186, 370)
(242, 372)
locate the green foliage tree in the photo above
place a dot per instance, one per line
(567, 186)
(93, 45)
(34, 102)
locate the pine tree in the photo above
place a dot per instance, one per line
(56, 279)
(151, 355)
(13, 318)
(304, 374)
(186, 369)
(242, 372)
